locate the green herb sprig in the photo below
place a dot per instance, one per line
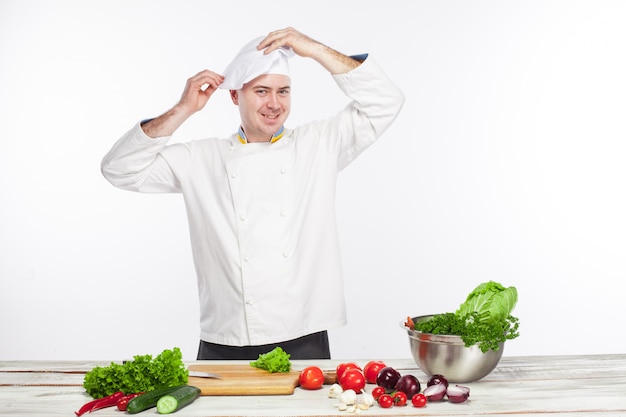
(473, 329)
(484, 318)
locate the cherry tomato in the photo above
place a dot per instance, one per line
(418, 400)
(399, 398)
(343, 367)
(311, 377)
(353, 379)
(377, 392)
(385, 401)
(371, 369)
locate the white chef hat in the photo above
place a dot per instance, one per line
(249, 63)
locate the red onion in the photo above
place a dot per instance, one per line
(457, 393)
(388, 378)
(435, 392)
(437, 379)
(409, 385)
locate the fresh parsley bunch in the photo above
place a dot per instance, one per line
(484, 318)
(142, 374)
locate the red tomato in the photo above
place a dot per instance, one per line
(311, 377)
(399, 398)
(385, 401)
(352, 379)
(377, 392)
(371, 371)
(418, 400)
(343, 367)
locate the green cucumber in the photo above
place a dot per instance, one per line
(149, 399)
(178, 399)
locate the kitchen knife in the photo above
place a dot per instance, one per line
(201, 374)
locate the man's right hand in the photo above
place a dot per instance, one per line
(198, 89)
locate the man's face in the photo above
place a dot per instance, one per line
(264, 104)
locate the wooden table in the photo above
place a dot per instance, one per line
(573, 386)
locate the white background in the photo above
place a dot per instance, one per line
(506, 164)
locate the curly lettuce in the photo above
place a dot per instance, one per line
(276, 360)
(142, 374)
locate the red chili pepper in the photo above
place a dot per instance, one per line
(122, 403)
(94, 405)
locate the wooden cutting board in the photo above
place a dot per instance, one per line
(241, 379)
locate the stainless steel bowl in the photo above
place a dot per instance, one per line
(447, 355)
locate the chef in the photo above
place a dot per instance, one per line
(260, 203)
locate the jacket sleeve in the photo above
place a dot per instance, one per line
(376, 102)
(134, 163)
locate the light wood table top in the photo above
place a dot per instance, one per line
(574, 386)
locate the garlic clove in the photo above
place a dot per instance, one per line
(348, 397)
(335, 391)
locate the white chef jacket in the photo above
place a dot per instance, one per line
(261, 215)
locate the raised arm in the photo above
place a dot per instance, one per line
(198, 90)
(335, 62)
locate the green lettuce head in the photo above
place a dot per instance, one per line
(490, 300)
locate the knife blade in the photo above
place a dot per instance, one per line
(201, 374)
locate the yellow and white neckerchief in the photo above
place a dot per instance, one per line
(242, 136)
